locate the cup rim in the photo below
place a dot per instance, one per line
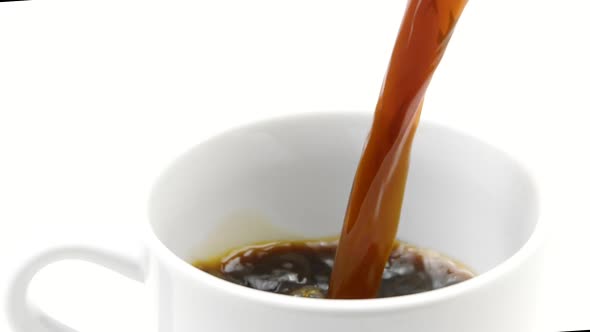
(257, 297)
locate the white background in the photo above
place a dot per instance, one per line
(97, 97)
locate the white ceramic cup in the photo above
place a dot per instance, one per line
(290, 178)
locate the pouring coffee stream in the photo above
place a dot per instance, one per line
(374, 207)
(367, 261)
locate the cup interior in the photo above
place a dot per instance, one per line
(290, 178)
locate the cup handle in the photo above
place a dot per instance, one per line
(27, 317)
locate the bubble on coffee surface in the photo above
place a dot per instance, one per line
(303, 269)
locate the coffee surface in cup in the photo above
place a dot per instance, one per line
(303, 269)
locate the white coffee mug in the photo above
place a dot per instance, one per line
(290, 178)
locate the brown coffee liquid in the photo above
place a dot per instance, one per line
(375, 202)
(303, 269)
(366, 263)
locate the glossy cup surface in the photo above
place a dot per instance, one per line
(289, 178)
